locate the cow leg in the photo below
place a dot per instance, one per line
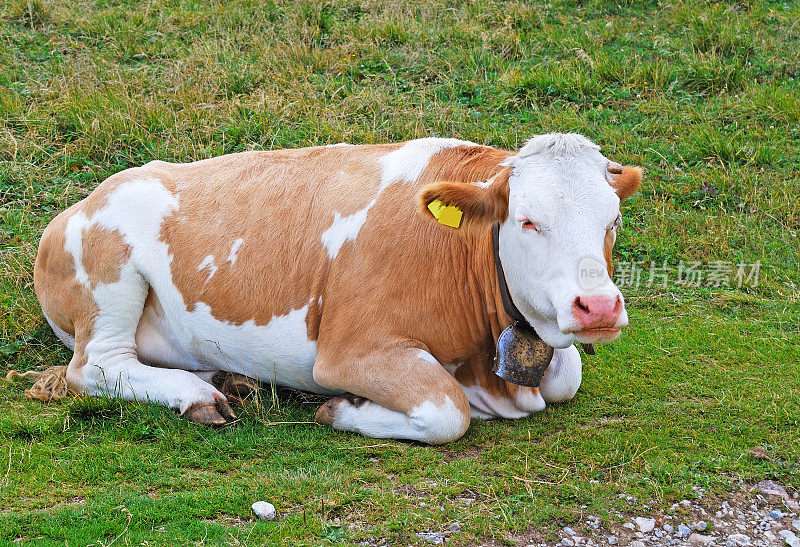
(492, 397)
(402, 393)
(563, 377)
(106, 363)
(237, 388)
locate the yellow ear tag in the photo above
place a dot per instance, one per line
(449, 215)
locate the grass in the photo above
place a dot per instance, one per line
(704, 95)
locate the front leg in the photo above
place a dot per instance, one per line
(491, 397)
(402, 393)
(563, 377)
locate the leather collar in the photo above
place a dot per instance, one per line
(508, 304)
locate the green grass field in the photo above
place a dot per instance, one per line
(704, 95)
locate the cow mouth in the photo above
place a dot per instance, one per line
(598, 335)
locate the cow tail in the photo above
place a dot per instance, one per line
(49, 384)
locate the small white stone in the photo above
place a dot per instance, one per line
(790, 538)
(454, 527)
(569, 531)
(636, 543)
(629, 526)
(700, 539)
(264, 510)
(737, 540)
(700, 525)
(612, 540)
(437, 538)
(645, 525)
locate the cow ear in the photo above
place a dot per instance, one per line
(475, 206)
(625, 180)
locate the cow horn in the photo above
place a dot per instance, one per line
(614, 167)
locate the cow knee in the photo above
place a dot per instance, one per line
(529, 399)
(441, 423)
(429, 422)
(563, 377)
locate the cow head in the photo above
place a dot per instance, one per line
(558, 214)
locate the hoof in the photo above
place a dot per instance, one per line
(236, 387)
(326, 414)
(217, 414)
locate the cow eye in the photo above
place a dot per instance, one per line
(617, 221)
(528, 225)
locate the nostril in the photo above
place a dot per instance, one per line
(581, 306)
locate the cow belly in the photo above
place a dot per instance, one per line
(278, 352)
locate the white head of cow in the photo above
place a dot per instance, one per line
(555, 244)
(559, 213)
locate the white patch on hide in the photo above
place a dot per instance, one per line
(344, 229)
(405, 164)
(208, 263)
(234, 250)
(409, 161)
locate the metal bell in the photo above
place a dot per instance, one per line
(522, 357)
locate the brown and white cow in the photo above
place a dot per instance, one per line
(322, 269)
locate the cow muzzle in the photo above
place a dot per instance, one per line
(598, 318)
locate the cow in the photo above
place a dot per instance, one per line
(325, 269)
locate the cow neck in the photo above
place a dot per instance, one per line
(508, 304)
(505, 296)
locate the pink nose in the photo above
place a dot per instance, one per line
(597, 312)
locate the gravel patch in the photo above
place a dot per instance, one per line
(754, 516)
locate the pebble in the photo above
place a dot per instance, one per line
(454, 527)
(629, 526)
(700, 525)
(668, 528)
(264, 510)
(612, 540)
(683, 531)
(437, 538)
(566, 542)
(790, 538)
(569, 531)
(737, 540)
(645, 525)
(796, 524)
(700, 539)
(636, 543)
(776, 514)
